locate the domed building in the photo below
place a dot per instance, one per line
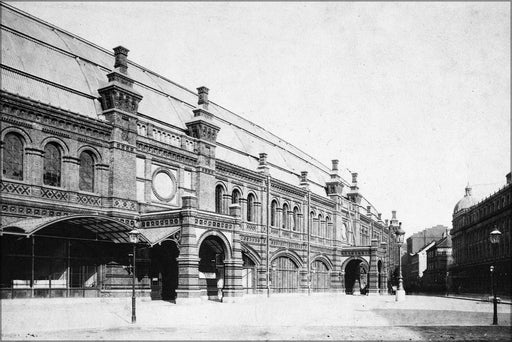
(473, 254)
(94, 145)
(465, 202)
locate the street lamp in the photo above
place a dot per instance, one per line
(134, 239)
(494, 238)
(400, 292)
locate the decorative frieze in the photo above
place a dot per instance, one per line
(89, 200)
(15, 188)
(162, 152)
(213, 223)
(167, 222)
(56, 118)
(232, 171)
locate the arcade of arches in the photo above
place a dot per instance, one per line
(91, 256)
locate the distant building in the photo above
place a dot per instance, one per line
(438, 261)
(419, 240)
(473, 254)
(416, 265)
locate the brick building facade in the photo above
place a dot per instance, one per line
(94, 145)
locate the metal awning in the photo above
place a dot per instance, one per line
(157, 235)
(104, 227)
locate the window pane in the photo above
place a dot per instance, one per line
(13, 157)
(86, 182)
(52, 165)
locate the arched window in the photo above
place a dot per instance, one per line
(250, 208)
(273, 213)
(52, 165)
(285, 216)
(295, 219)
(219, 194)
(235, 197)
(311, 215)
(13, 157)
(319, 226)
(328, 230)
(86, 172)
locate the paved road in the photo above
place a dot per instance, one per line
(318, 317)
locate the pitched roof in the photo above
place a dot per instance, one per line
(45, 63)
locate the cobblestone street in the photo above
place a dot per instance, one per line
(318, 317)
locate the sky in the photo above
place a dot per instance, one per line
(414, 96)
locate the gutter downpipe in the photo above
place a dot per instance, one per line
(268, 242)
(309, 220)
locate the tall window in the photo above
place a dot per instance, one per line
(295, 218)
(273, 213)
(285, 216)
(328, 230)
(235, 197)
(52, 165)
(219, 193)
(310, 228)
(250, 208)
(86, 172)
(319, 226)
(13, 157)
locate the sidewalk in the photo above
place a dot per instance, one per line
(468, 296)
(278, 317)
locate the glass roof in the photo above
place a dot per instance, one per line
(105, 227)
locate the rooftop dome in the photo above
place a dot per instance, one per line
(466, 202)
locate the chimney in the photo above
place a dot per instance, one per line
(379, 215)
(368, 210)
(203, 96)
(354, 178)
(121, 55)
(393, 215)
(335, 165)
(263, 167)
(304, 178)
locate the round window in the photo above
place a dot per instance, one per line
(164, 185)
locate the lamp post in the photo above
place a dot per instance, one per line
(134, 239)
(494, 238)
(400, 292)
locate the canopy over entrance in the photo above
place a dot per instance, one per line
(104, 228)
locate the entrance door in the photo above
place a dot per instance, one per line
(164, 270)
(211, 267)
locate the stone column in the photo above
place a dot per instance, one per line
(188, 261)
(233, 277)
(303, 280)
(34, 161)
(373, 283)
(384, 270)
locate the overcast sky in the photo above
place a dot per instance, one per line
(415, 97)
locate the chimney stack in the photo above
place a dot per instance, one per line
(393, 215)
(304, 178)
(354, 178)
(121, 55)
(335, 165)
(203, 97)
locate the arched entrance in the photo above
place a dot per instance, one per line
(356, 277)
(285, 275)
(249, 273)
(212, 254)
(164, 270)
(320, 276)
